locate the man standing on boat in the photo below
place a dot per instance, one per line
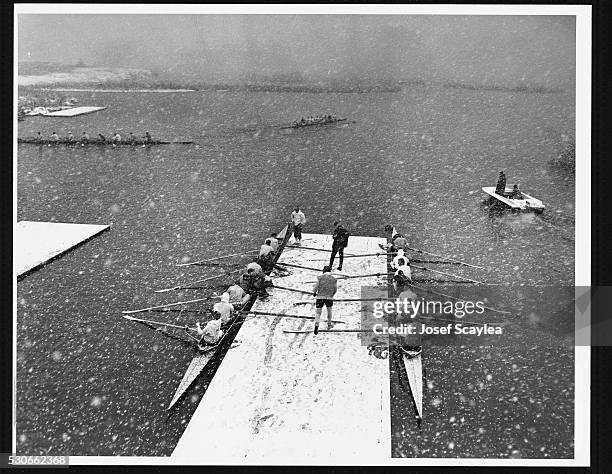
(340, 237)
(298, 219)
(501, 184)
(324, 292)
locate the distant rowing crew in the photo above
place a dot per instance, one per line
(317, 120)
(84, 138)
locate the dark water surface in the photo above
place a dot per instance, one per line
(91, 383)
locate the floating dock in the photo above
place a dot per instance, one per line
(297, 398)
(37, 243)
(74, 112)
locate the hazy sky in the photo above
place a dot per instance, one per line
(498, 49)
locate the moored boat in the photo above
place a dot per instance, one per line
(527, 203)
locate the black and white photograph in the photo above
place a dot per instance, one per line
(301, 234)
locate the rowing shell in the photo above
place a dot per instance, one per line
(413, 364)
(199, 362)
(193, 371)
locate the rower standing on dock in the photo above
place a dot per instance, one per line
(340, 236)
(324, 292)
(298, 219)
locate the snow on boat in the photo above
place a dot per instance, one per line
(528, 203)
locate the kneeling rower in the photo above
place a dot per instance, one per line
(210, 334)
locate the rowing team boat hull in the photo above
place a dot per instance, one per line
(413, 364)
(197, 365)
(529, 203)
(414, 370)
(200, 361)
(35, 141)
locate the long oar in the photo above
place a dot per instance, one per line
(314, 248)
(200, 262)
(352, 256)
(293, 289)
(168, 305)
(159, 323)
(283, 315)
(299, 266)
(450, 275)
(455, 298)
(347, 277)
(186, 285)
(459, 262)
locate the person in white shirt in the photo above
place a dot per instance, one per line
(273, 242)
(237, 294)
(402, 276)
(209, 334)
(266, 248)
(399, 260)
(298, 219)
(224, 308)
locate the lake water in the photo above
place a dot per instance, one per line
(91, 383)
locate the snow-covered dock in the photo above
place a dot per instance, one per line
(74, 112)
(36, 243)
(287, 398)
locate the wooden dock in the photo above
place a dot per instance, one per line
(37, 243)
(282, 398)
